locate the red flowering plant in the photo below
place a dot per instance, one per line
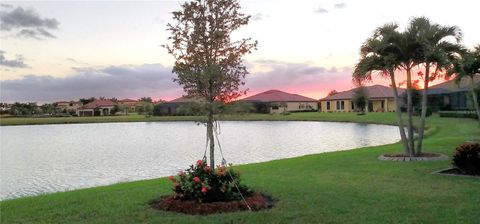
(204, 184)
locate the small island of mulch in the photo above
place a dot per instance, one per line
(400, 157)
(257, 201)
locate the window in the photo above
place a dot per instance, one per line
(338, 105)
(353, 107)
(343, 105)
(275, 107)
(328, 105)
(383, 104)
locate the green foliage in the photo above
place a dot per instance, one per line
(144, 108)
(140, 109)
(467, 158)
(240, 107)
(459, 114)
(332, 92)
(203, 184)
(85, 101)
(146, 99)
(24, 109)
(148, 108)
(114, 110)
(208, 63)
(360, 98)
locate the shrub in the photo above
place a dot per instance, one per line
(460, 114)
(467, 158)
(203, 184)
(418, 112)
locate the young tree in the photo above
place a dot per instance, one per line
(146, 99)
(85, 101)
(360, 99)
(208, 63)
(331, 93)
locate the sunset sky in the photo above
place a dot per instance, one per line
(66, 50)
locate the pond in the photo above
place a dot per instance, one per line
(49, 158)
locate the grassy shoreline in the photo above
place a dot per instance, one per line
(373, 118)
(337, 187)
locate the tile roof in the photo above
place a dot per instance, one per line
(278, 96)
(127, 100)
(99, 103)
(375, 91)
(451, 86)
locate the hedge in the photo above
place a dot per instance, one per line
(461, 114)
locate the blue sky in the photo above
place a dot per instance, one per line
(113, 48)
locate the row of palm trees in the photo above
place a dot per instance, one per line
(423, 45)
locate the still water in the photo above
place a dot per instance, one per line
(49, 158)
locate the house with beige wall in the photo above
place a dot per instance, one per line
(380, 99)
(128, 105)
(96, 108)
(278, 101)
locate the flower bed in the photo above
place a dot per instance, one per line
(203, 190)
(256, 202)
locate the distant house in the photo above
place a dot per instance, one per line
(380, 99)
(452, 96)
(96, 108)
(69, 106)
(276, 101)
(128, 104)
(173, 107)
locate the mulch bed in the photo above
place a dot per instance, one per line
(400, 157)
(455, 172)
(256, 201)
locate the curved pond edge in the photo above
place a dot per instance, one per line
(430, 130)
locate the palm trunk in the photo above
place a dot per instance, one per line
(210, 137)
(475, 100)
(421, 129)
(399, 114)
(411, 144)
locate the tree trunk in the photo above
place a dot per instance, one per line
(411, 144)
(475, 100)
(210, 137)
(421, 129)
(399, 114)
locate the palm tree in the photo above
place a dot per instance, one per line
(468, 67)
(435, 50)
(408, 56)
(380, 55)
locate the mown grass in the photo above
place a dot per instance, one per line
(383, 118)
(339, 187)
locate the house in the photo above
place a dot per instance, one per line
(174, 107)
(380, 99)
(452, 96)
(276, 101)
(69, 106)
(127, 104)
(97, 108)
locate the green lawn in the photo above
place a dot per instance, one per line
(385, 118)
(338, 187)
